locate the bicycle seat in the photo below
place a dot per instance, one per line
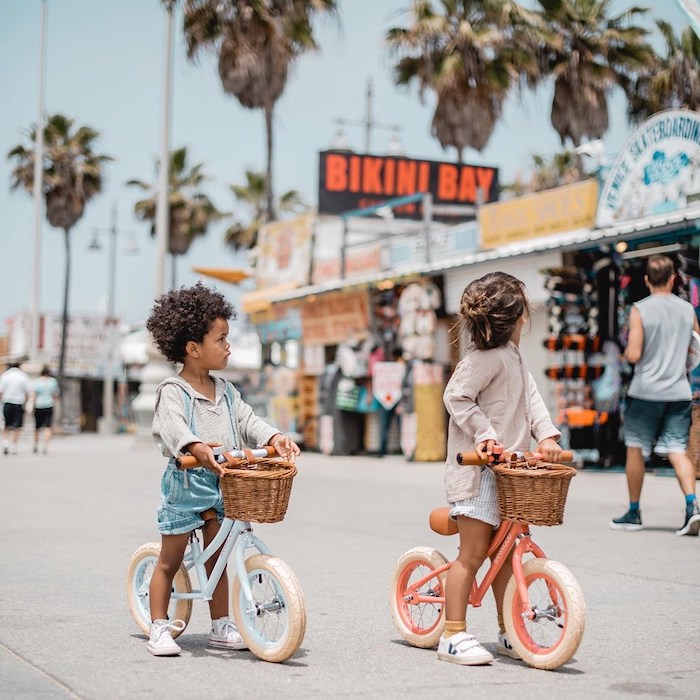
(441, 522)
(207, 515)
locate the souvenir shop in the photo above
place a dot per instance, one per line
(590, 298)
(372, 361)
(381, 344)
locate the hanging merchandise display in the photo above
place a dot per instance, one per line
(416, 308)
(574, 343)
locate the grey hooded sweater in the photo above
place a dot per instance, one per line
(172, 421)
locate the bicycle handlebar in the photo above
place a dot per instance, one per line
(471, 458)
(189, 461)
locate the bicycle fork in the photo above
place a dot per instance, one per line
(249, 540)
(524, 545)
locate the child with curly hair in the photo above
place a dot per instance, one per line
(491, 398)
(193, 410)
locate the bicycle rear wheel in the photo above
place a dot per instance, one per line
(138, 579)
(420, 624)
(274, 628)
(550, 639)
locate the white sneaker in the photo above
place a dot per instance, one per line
(463, 648)
(161, 642)
(225, 634)
(505, 648)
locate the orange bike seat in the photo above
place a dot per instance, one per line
(441, 522)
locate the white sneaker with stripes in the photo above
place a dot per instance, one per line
(505, 648)
(464, 649)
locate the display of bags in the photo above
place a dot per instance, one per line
(347, 395)
(350, 396)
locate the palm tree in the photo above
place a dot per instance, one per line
(191, 211)
(675, 82)
(72, 177)
(591, 52)
(256, 43)
(253, 194)
(562, 169)
(470, 53)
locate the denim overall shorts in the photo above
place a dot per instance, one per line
(186, 493)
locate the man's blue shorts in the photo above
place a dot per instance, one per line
(659, 425)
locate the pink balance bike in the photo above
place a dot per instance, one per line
(544, 610)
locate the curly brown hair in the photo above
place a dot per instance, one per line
(185, 314)
(491, 307)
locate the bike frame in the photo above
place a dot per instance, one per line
(233, 535)
(510, 536)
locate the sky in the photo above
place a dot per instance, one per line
(104, 69)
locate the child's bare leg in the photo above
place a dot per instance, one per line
(474, 538)
(171, 553)
(499, 588)
(218, 605)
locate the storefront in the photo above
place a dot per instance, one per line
(398, 289)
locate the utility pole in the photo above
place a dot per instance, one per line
(162, 202)
(368, 122)
(369, 119)
(38, 191)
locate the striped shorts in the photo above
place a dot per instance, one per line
(483, 507)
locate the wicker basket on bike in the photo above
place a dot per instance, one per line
(257, 490)
(532, 491)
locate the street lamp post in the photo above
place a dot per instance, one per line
(107, 424)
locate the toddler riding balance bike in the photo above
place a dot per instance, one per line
(543, 609)
(266, 599)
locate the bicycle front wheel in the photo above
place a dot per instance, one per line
(552, 637)
(420, 624)
(274, 626)
(138, 580)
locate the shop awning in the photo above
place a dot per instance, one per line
(230, 275)
(261, 299)
(570, 240)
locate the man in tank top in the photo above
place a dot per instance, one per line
(657, 415)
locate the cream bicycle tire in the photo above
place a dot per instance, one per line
(144, 557)
(277, 580)
(413, 630)
(541, 654)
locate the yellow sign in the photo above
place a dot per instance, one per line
(541, 214)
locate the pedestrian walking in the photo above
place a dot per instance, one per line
(14, 388)
(658, 408)
(491, 398)
(44, 393)
(194, 411)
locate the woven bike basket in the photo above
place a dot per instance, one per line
(257, 492)
(533, 494)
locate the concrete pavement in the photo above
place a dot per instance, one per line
(72, 518)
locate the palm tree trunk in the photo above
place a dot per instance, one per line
(64, 318)
(577, 156)
(269, 199)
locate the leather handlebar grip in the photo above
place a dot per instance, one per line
(190, 461)
(471, 458)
